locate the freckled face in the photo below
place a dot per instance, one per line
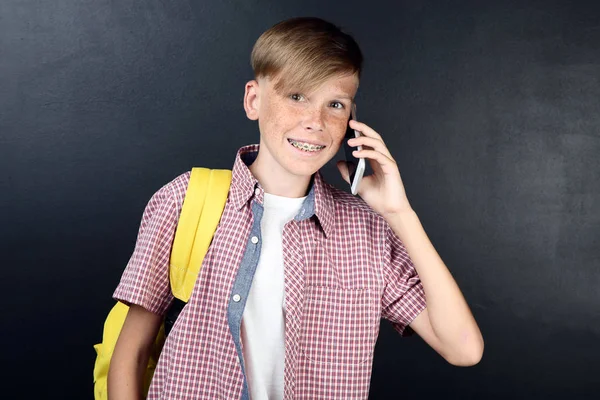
(301, 132)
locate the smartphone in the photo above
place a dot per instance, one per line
(356, 166)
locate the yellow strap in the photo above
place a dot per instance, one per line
(203, 206)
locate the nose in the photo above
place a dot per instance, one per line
(313, 119)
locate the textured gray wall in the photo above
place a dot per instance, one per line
(490, 109)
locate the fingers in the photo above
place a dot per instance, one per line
(372, 143)
(369, 138)
(381, 158)
(364, 129)
(377, 150)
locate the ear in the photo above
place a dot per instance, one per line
(252, 100)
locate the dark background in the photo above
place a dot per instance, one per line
(491, 110)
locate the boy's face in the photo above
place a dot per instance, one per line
(300, 132)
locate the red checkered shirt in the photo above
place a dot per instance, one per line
(344, 269)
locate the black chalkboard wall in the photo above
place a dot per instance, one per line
(491, 110)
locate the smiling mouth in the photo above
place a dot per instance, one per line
(311, 148)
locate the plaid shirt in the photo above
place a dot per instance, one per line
(344, 269)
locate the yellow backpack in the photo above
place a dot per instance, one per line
(203, 205)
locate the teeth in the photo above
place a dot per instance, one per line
(306, 146)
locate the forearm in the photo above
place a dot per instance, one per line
(126, 375)
(449, 315)
(132, 351)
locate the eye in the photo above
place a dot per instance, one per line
(296, 97)
(338, 105)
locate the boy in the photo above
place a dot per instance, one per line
(289, 298)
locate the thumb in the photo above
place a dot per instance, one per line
(343, 168)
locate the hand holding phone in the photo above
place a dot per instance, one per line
(356, 166)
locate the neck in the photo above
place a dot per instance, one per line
(277, 181)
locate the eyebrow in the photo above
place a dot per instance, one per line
(344, 96)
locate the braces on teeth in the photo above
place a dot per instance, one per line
(306, 146)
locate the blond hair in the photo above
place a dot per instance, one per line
(302, 53)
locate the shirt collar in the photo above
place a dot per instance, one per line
(245, 187)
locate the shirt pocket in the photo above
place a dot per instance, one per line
(340, 326)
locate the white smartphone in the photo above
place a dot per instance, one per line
(356, 166)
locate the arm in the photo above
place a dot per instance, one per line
(132, 351)
(447, 324)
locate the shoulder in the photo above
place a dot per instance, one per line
(353, 211)
(177, 187)
(170, 195)
(346, 204)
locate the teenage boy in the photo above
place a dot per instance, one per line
(290, 295)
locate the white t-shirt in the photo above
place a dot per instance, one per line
(263, 323)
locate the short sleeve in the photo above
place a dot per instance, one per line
(145, 281)
(403, 297)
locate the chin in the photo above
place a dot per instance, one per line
(303, 168)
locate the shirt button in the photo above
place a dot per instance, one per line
(256, 191)
(254, 239)
(236, 298)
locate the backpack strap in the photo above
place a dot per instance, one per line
(203, 205)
